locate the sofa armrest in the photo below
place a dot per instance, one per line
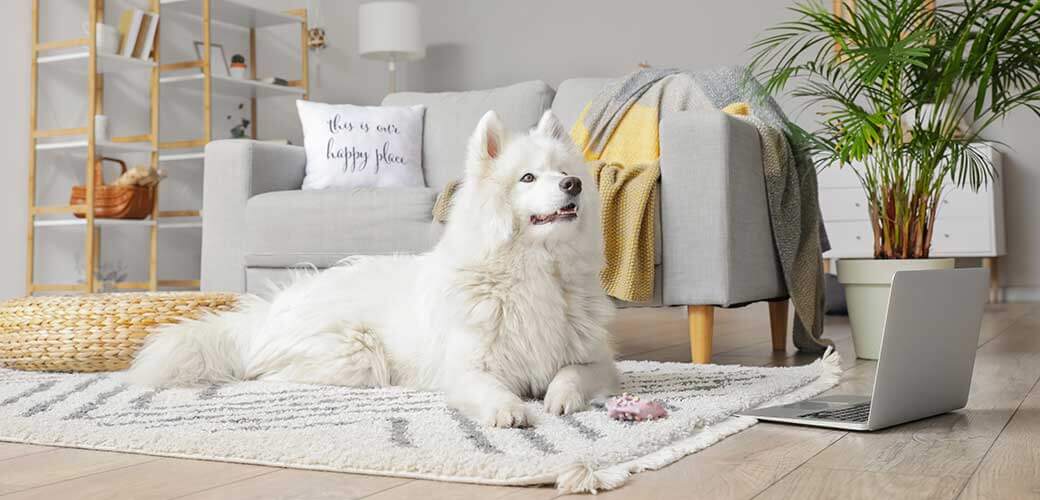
(236, 170)
(716, 234)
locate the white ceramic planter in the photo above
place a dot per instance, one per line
(867, 283)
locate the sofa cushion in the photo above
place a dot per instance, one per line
(573, 95)
(452, 116)
(289, 228)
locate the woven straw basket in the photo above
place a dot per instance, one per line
(92, 333)
(111, 201)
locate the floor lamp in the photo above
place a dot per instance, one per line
(389, 31)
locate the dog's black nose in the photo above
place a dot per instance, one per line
(571, 185)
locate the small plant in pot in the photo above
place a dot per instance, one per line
(238, 67)
(893, 83)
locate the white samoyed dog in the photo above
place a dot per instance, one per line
(507, 306)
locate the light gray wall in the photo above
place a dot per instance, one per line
(479, 44)
(15, 44)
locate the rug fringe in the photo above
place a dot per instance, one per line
(831, 362)
(584, 478)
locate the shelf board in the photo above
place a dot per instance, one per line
(107, 63)
(230, 12)
(179, 284)
(164, 223)
(182, 156)
(230, 87)
(101, 148)
(73, 222)
(180, 222)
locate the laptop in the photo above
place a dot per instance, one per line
(927, 356)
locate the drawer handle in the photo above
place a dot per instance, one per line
(946, 202)
(859, 237)
(857, 204)
(947, 235)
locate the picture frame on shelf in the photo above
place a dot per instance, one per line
(218, 61)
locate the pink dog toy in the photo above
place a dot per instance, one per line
(629, 407)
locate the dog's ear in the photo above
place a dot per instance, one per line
(486, 143)
(549, 126)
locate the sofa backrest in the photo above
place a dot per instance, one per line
(573, 95)
(452, 116)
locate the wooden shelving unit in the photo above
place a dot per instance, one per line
(233, 13)
(185, 78)
(82, 141)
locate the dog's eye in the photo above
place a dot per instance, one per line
(527, 178)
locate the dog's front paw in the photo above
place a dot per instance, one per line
(510, 414)
(564, 399)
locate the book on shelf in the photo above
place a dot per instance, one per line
(130, 27)
(138, 29)
(141, 34)
(149, 38)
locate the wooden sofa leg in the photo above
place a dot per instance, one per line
(778, 324)
(702, 325)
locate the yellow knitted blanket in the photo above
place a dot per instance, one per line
(626, 171)
(628, 194)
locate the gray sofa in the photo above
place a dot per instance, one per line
(714, 241)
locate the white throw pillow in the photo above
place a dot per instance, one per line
(355, 146)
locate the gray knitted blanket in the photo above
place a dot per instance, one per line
(790, 176)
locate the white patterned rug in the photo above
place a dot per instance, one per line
(400, 432)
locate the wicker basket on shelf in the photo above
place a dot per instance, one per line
(92, 333)
(111, 201)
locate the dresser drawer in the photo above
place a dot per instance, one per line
(843, 204)
(850, 238)
(963, 202)
(962, 236)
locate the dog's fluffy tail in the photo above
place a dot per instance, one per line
(192, 352)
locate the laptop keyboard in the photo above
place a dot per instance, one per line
(854, 413)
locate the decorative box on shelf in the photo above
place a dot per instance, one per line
(968, 224)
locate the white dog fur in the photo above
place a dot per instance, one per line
(508, 305)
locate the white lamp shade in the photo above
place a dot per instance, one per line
(389, 31)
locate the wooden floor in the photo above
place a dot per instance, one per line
(989, 450)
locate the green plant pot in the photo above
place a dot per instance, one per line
(867, 284)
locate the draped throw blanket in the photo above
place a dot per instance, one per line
(619, 132)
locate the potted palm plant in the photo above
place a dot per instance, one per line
(893, 83)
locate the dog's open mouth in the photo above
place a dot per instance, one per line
(566, 212)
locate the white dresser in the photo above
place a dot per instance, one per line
(968, 224)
